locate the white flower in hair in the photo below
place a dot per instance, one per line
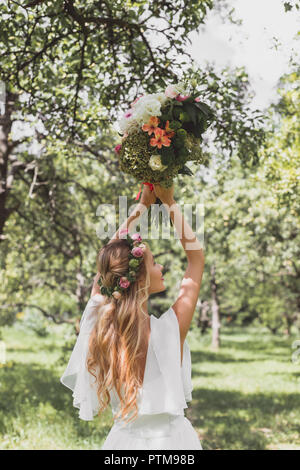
(116, 294)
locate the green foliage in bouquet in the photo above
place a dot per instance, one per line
(162, 132)
(134, 159)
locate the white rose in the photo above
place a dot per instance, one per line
(161, 97)
(153, 108)
(141, 117)
(141, 102)
(156, 164)
(123, 123)
(150, 106)
(144, 100)
(128, 124)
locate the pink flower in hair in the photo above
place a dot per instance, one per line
(136, 237)
(124, 282)
(137, 252)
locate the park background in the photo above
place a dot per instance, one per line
(67, 71)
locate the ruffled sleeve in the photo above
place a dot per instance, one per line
(166, 335)
(167, 384)
(186, 372)
(76, 376)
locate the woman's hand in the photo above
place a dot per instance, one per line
(148, 196)
(165, 195)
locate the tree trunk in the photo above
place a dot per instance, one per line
(215, 311)
(203, 320)
(80, 295)
(80, 291)
(6, 147)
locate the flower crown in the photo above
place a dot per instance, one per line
(135, 258)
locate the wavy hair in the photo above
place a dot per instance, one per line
(117, 339)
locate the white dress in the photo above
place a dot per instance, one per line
(166, 389)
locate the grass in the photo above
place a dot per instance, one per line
(245, 396)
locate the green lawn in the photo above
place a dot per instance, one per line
(246, 396)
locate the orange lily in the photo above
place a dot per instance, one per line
(170, 133)
(160, 138)
(151, 125)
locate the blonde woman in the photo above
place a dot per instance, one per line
(125, 356)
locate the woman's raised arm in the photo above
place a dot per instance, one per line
(185, 305)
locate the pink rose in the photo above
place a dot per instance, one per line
(182, 98)
(136, 237)
(197, 99)
(116, 294)
(118, 148)
(137, 252)
(124, 282)
(171, 92)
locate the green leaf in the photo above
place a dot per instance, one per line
(191, 110)
(164, 117)
(174, 125)
(287, 6)
(167, 155)
(176, 112)
(185, 171)
(183, 152)
(204, 108)
(178, 142)
(184, 117)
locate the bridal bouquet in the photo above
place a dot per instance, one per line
(161, 132)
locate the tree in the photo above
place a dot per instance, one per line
(281, 157)
(280, 169)
(71, 66)
(59, 62)
(51, 243)
(77, 61)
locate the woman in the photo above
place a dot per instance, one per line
(138, 363)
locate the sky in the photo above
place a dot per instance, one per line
(263, 43)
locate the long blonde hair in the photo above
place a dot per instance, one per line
(117, 338)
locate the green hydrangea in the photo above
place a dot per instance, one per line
(193, 146)
(134, 158)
